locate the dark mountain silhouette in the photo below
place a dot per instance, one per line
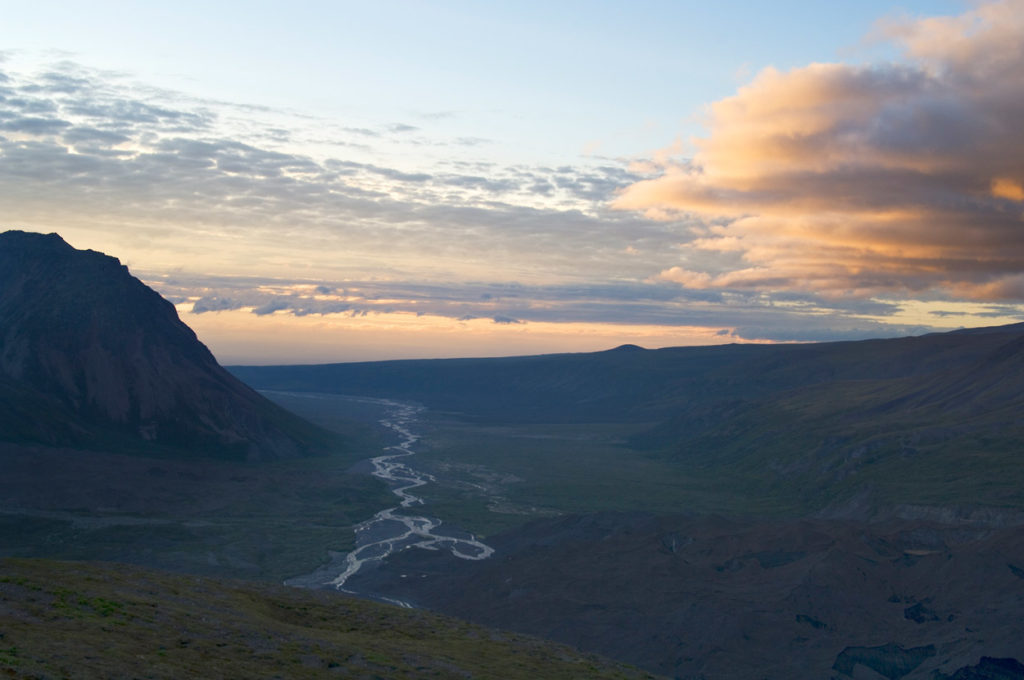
(91, 357)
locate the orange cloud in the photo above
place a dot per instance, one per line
(1007, 188)
(859, 180)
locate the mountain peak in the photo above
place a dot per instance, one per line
(31, 239)
(627, 348)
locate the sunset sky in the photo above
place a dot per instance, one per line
(341, 181)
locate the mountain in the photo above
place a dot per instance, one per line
(90, 357)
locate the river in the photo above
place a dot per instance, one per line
(395, 529)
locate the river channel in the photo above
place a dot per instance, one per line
(395, 529)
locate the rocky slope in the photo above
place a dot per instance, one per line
(91, 357)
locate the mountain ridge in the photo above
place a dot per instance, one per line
(92, 357)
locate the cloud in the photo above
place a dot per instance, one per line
(856, 181)
(194, 175)
(271, 307)
(34, 125)
(471, 141)
(211, 303)
(365, 132)
(91, 135)
(687, 278)
(746, 316)
(179, 187)
(389, 173)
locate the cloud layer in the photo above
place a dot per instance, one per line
(232, 188)
(855, 181)
(738, 316)
(817, 192)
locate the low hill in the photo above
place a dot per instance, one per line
(88, 620)
(90, 357)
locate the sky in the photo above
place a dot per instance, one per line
(348, 181)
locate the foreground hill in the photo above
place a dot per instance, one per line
(81, 620)
(91, 357)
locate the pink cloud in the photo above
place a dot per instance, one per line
(862, 180)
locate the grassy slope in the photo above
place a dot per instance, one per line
(270, 520)
(81, 620)
(948, 438)
(494, 478)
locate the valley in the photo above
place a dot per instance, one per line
(488, 341)
(826, 522)
(219, 518)
(393, 529)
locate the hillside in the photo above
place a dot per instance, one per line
(842, 510)
(632, 384)
(90, 357)
(948, 435)
(82, 620)
(715, 597)
(844, 427)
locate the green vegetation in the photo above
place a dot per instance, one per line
(821, 445)
(80, 620)
(269, 520)
(493, 478)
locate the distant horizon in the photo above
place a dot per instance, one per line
(339, 182)
(414, 357)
